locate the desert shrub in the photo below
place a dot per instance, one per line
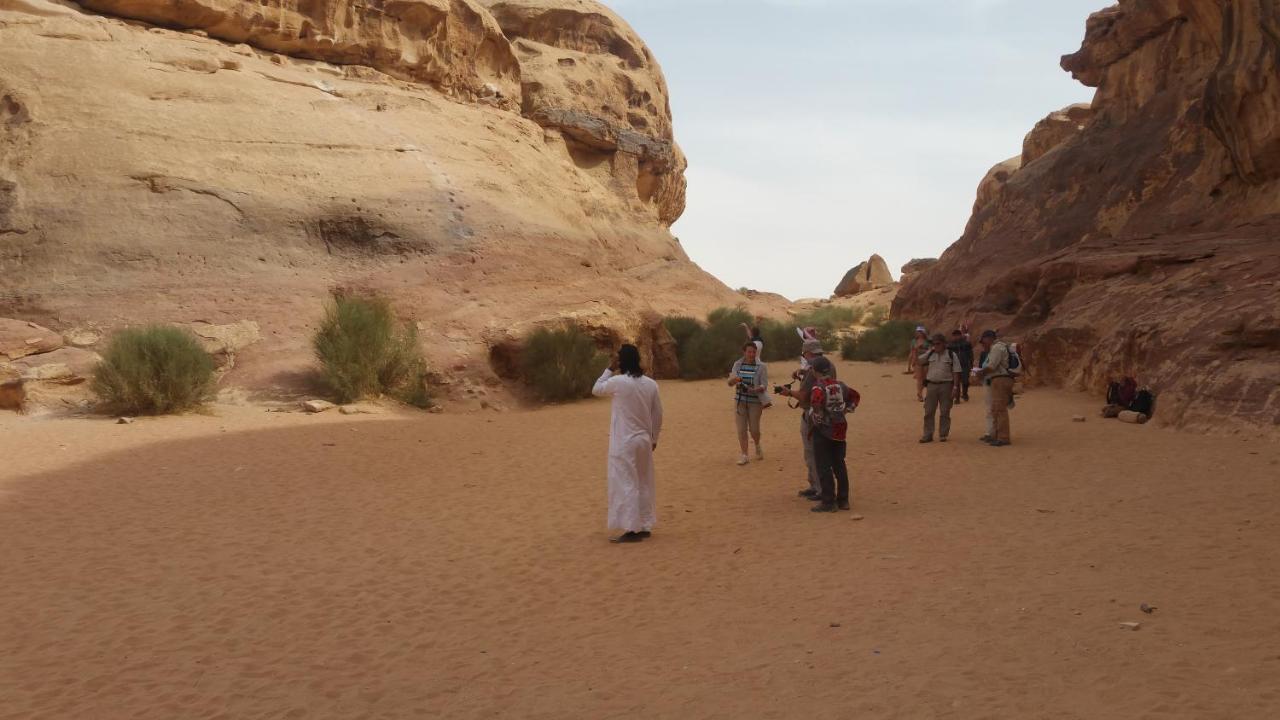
(561, 363)
(681, 329)
(711, 353)
(154, 370)
(365, 352)
(889, 341)
(781, 341)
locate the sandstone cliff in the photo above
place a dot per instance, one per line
(1141, 237)
(489, 165)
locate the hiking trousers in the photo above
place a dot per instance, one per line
(938, 395)
(1001, 397)
(991, 419)
(832, 471)
(806, 441)
(748, 419)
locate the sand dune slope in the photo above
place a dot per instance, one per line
(256, 565)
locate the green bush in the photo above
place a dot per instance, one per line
(682, 329)
(561, 363)
(710, 353)
(364, 352)
(889, 341)
(153, 371)
(781, 341)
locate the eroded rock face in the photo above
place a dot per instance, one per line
(249, 166)
(870, 275)
(1145, 242)
(587, 75)
(454, 44)
(1054, 130)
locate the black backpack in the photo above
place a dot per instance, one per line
(1144, 403)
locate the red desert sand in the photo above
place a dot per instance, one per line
(266, 565)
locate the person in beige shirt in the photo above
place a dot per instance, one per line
(1000, 385)
(941, 369)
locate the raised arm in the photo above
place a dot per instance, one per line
(602, 387)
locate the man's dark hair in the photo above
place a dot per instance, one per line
(750, 346)
(956, 333)
(629, 360)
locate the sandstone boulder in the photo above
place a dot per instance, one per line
(1144, 244)
(870, 275)
(224, 341)
(68, 366)
(19, 339)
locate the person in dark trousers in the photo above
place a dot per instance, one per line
(963, 350)
(811, 351)
(830, 402)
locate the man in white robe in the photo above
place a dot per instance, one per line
(633, 437)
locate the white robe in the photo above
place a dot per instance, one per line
(634, 430)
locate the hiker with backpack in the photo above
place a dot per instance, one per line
(811, 352)
(1002, 365)
(942, 373)
(830, 402)
(750, 379)
(963, 349)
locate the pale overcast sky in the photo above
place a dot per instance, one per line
(822, 131)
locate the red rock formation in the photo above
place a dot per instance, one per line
(1146, 242)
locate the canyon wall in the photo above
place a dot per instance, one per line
(490, 166)
(1141, 235)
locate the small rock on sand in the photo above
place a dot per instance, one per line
(1131, 626)
(360, 409)
(317, 406)
(1079, 418)
(125, 421)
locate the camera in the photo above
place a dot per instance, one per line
(781, 389)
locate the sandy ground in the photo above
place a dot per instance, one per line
(266, 565)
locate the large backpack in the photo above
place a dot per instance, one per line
(1016, 365)
(1144, 403)
(833, 408)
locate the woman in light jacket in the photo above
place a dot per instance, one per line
(749, 379)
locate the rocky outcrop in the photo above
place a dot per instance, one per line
(486, 165)
(37, 373)
(1053, 131)
(917, 265)
(587, 75)
(871, 275)
(453, 44)
(1143, 240)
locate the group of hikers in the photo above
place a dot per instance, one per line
(944, 369)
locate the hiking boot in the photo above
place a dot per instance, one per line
(825, 507)
(843, 504)
(759, 453)
(942, 439)
(628, 537)
(743, 459)
(808, 493)
(999, 443)
(986, 439)
(926, 440)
